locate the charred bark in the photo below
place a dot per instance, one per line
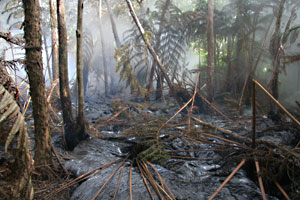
(72, 135)
(34, 69)
(211, 51)
(79, 60)
(275, 50)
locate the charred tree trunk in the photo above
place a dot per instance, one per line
(275, 51)
(79, 62)
(69, 126)
(229, 65)
(34, 69)
(210, 48)
(103, 50)
(54, 38)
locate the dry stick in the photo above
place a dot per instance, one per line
(183, 107)
(195, 92)
(27, 104)
(107, 181)
(282, 190)
(83, 176)
(130, 180)
(215, 136)
(253, 143)
(253, 116)
(119, 181)
(59, 160)
(214, 107)
(151, 179)
(261, 185)
(223, 130)
(228, 179)
(144, 179)
(156, 183)
(117, 114)
(163, 183)
(278, 104)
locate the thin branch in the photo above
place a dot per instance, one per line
(228, 179)
(9, 38)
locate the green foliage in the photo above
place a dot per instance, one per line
(163, 28)
(125, 57)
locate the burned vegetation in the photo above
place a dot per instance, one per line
(194, 101)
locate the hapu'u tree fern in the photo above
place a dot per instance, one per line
(164, 30)
(171, 35)
(88, 52)
(17, 162)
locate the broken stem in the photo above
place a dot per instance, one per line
(228, 179)
(253, 116)
(282, 190)
(261, 185)
(119, 181)
(107, 181)
(277, 102)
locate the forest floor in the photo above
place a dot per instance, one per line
(198, 150)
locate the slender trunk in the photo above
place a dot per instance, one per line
(113, 24)
(54, 38)
(156, 47)
(65, 96)
(210, 48)
(154, 54)
(47, 57)
(103, 50)
(275, 51)
(79, 61)
(34, 69)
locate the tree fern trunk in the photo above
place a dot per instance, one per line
(54, 38)
(34, 69)
(79, 61)
(103, 48)
(210, 48)
(65, 96)
(113, 24)
(275, 51)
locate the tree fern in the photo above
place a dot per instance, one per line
(166, 33)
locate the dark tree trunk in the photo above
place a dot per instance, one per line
(229, 65)
(34, 69)
(275, 51)
(80, 115)
(69, 126)
(211, 52)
